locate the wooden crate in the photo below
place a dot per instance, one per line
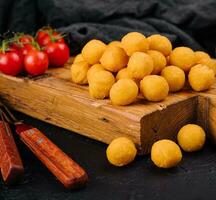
(55, 99)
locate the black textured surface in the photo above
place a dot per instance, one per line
(185, 22)
(193, 179)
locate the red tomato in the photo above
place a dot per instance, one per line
(58, 53)
(45, 37)
(25, 39)
(36, 62)
(27, 48)
(11, 63)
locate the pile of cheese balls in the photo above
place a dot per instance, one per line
(121, 69)
(164, 153)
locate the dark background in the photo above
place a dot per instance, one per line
(185, 22)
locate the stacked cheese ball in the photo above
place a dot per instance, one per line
(121, 69)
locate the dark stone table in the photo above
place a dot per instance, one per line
(194, 179)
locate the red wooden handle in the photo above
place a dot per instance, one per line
(10, 162)
(62, 166)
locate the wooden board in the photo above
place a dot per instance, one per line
(55, 99)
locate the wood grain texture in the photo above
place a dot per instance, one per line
(55, 99)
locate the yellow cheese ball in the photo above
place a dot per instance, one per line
(166, 154)
(160, 43)
(115, 43)
(114, 58)
(154, 88)
(123, 73)
(79, 72)
(124, 92)
(78, 58)
(175, 77)
(201, 77)
(140, 64)
(209, 62)
(159, 61)
(93, 69)
(133, 42)
(183, 57)
(121, 151)
(100, 84)
(93, 51)
(191, 137)
(201, 55)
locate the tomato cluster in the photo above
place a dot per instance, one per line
(33, 55)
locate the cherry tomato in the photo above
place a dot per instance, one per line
(58, 53)
(27, 48)
(11, 63)
(36, 62)
(25, 39)
(45, 37)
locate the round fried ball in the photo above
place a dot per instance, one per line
(209, 62)
(183, 57)
(154, 88)
(79, 72)
(201, 77)
(191, 137)
(123, 73)
(166, 154)
(121, 151)
(201, 55)
(160, 43)
(93, 69)
(100, 84)
(175, 77)
(78, 58)
(124, 92)
(159, 61)
(115, 43)
(133, 42)
(140, 64)
(93, 51)
(114, 58)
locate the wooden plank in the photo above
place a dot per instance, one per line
(55, 99)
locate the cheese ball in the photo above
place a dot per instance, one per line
(121, 151)
(191, 137)
(209, 62)
(160, 43)
(123, 73)
(201, 55)
(154, 88)
(93, 51)
(183, 57)
(93, 69)
(140, 64)
(159, 61)
(114, 58)
(79, 72)
(201, 77)
(166, 154)
(115, 43)
(175, 77)
(78, 58)
(133, 42)
(100, 84)
(123, 92)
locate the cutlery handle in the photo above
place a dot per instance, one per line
(10, 162)
(68, 172)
